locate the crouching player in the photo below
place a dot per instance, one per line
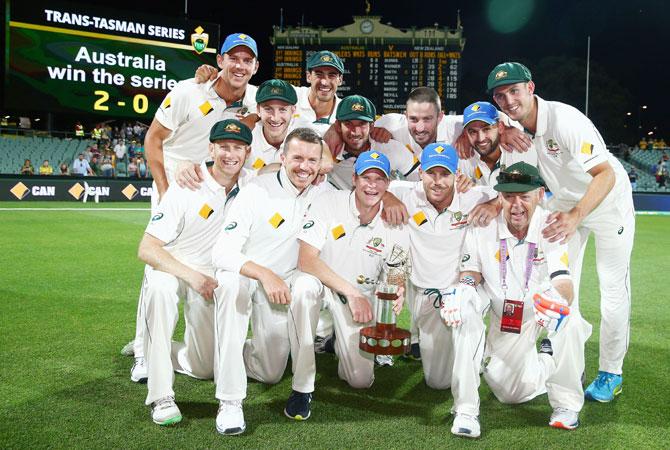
(343, 237)
(529, 284)
(177, 245)
(437, 226)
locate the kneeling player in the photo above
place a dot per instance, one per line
(343, 237)
(529, 284)
(177, 245)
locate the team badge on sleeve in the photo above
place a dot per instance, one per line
(587, 148)
(338, 232)
(276, 220)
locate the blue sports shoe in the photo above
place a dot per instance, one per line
(604, 388)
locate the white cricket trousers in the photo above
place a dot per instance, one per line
(265, 355)
(517, 373)
(614, 230)
(160, 298)
(451, 357)
(138, 343)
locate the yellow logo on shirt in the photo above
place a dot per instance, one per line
(419, 218)
(338, 232)
(258, 164)
(167, 103)
(205, 108)
(564, 259)
(276, 220)
(498, 256)
(205, 211)
(587, 148)
(478, 173)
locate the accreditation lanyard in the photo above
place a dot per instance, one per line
(503, 265)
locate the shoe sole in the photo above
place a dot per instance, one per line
(298, 417)
(232, 431)
(563, 426)
(464, 434)
(618, 390)
(168, 422)
(139, 380)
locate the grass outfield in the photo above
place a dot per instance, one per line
(69, 282)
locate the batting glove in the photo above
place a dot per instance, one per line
(551, 310)
(453, 302)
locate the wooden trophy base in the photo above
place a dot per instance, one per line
(384, 340)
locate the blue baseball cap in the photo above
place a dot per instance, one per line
(372, 160)
(483, 111)
(439, 154)
(235, 39)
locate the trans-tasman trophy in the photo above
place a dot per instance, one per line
(385, 338)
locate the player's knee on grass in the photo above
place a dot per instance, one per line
(438, 381)
(360, 378)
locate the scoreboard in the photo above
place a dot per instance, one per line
(384, 70)
(64, 57)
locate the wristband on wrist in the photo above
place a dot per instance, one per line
(470, 281)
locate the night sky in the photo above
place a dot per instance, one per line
(627, 38)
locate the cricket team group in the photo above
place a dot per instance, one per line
(271, 203)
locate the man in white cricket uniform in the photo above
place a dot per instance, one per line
(180, 129)
(529, 286)
(318, 102)
(255, 257)
(591, 194)
(177, 249)
(423, 123)
(438, 222)
(481, 123)
(276, 101)
(342, 238)
(355, 115)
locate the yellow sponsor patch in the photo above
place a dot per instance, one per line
(276, 220)
(475, 108)
(205, 211)
(439, 149)
(76, 191)
(478, 173)
(587, 148)
(19, 190)
(374, 155)
(498, 256)
(205, 108)
(338, 232)
(167, 103)
(129, 192)
(564, 259)
(258, 164)
(419, 218)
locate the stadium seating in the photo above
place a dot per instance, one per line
(14, 150)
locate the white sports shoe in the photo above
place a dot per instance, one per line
(384, 360)
(564, 418)
(138, 373)
(165, 411)
(230, 418)
(466, 425)
(128, 349)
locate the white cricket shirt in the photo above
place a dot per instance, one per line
(189, 222)
(190, 110)
(304, 110)
(481, 253)
(568, 145)
(262, 225)
(349, 248)
(436, 237)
